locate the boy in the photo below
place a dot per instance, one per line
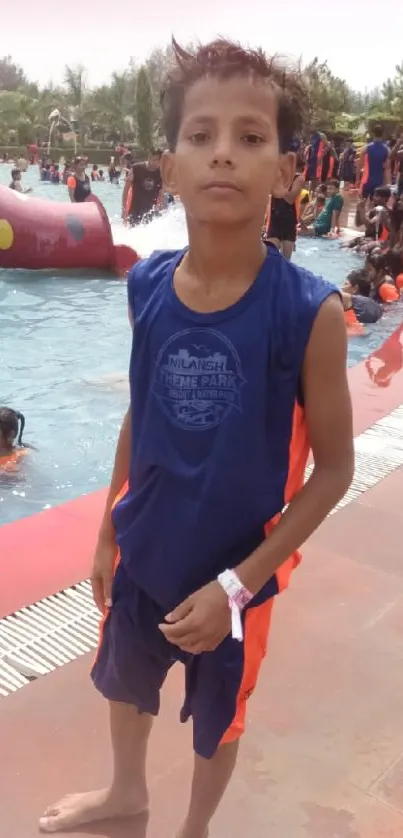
(328, 220)
(15, 183)
(232, 346)
(142, 192)
(374, 164)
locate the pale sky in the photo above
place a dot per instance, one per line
(361, 39)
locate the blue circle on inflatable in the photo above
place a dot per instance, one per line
(75, 227)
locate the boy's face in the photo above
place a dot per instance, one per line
(154, 161)
(227, 159)
(330, 190)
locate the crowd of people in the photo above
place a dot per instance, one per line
(311, 207)
(314, 203)
(143, 194)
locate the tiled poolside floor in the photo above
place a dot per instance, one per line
(323, 755)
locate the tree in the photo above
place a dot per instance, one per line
(144, 111)
(329, 96)
(11, 75)
(128, 107)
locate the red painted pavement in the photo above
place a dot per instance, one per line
(53, 549)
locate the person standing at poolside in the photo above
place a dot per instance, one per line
(282, 230)
(78, 183)
(238, 359)
(374, 164)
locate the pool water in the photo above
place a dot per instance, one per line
(64, 351)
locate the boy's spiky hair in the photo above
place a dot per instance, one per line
(224, 59)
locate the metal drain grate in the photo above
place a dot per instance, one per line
(60, 628)
(41, 637)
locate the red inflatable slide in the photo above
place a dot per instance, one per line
(36, 234)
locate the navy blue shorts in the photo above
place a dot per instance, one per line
(368, 189)
(134, 658)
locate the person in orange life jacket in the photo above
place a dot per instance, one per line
(383, 289)
(223, 329)
(12, 424)
(313, 158)
(394, 262)
(142, 192)
(12, 448)
(356, 293)
(373, 169)
(79, 184)
(330, 161)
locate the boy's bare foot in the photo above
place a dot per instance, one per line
(77, 809)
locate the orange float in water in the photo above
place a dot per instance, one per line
(399, 282)
(354, 327)
(38, 234)
(388, 293)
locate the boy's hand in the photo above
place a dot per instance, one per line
(102, 573)
(201, 622)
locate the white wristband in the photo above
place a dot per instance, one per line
(238, 598)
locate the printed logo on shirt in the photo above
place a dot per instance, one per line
(198, 379)
(149, 184)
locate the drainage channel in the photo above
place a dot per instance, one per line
(41, 637)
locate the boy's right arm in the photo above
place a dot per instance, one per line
(106, 549)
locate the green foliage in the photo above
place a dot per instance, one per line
(11, 75)
(144, 110)
(95, 155)
(128, 108)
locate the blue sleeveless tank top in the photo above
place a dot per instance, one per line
(377, 153)
(213, 399)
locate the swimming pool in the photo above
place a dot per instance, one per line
(64, 350)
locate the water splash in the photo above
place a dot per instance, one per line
(168, 231)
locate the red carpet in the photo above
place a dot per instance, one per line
(52, 550)
(48, 551)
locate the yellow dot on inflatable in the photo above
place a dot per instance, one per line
(6, 234)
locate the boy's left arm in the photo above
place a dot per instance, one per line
(328, 414)
(202, 621)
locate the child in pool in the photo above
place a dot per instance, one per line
(12, 448)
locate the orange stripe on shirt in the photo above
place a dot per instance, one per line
(319, 164)
(256, 633)
(365, 171)
(298, 458)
